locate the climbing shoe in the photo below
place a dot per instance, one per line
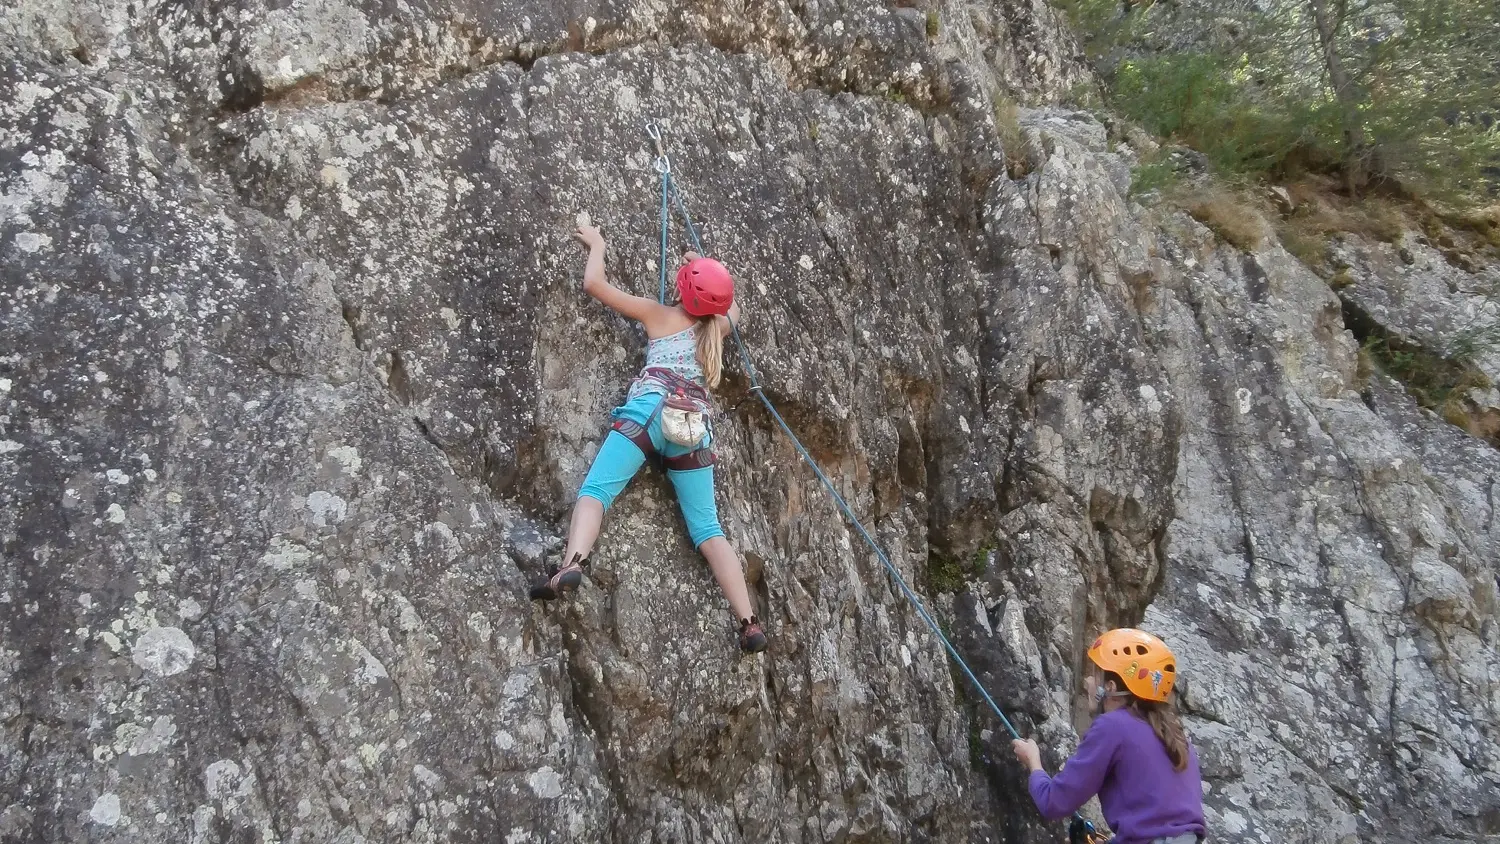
(559, 581)
(752, 637)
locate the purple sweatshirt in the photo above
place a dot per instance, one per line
(1123, 761)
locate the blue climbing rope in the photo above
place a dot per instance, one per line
(755, 387)
(669, 194)
(661, 287)
(668, 186)
(687, 218)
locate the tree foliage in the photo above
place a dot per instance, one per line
(1392, 92)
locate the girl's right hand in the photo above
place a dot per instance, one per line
(1029, 754)
(589, 236)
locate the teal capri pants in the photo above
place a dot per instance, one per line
(619, 459)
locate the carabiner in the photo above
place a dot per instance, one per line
(653, 131)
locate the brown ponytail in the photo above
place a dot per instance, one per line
(710, 350)
(1168, 728)
(1162, 716)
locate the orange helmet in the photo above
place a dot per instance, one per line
(1143, 661)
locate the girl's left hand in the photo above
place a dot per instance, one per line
(1029, 754)
(589, 236)
(690, 255)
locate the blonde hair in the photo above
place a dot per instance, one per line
(710, 350)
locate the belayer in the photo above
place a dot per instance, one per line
(1135, 755)
(665, 412)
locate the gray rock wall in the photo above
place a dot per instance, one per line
(297, 383)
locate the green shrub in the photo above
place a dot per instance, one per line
(1254, 89)
(1012, 139)
(1195, 98)
(949, 574)
(1102, 23)
(1160, 175)
(1433, 380)
(944, 574)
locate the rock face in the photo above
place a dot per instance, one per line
(297, 383)
(1420, 300)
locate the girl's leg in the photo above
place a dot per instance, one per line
(695, 495)
(726, 565)
(617, 462)
(588, 515)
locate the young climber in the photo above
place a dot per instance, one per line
(1135, 755)
(683, 360)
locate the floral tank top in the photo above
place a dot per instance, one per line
(677, 353)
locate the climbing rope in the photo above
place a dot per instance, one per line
(668, 187)
(663, 167)
(669, 194)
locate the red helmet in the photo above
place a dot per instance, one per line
(705, 287)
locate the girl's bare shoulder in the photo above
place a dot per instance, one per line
(668, 320)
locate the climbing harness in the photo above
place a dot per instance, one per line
(1086, 833)
(684, 410)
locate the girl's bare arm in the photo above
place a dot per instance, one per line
(638, 308)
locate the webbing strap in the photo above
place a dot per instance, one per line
(699, 459)
(676, 383)
(640, 436)
(636, 433)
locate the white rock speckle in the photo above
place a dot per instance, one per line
(106, 810)
(33, 242)
(327, 508)
(163, 651)
(546, 783)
